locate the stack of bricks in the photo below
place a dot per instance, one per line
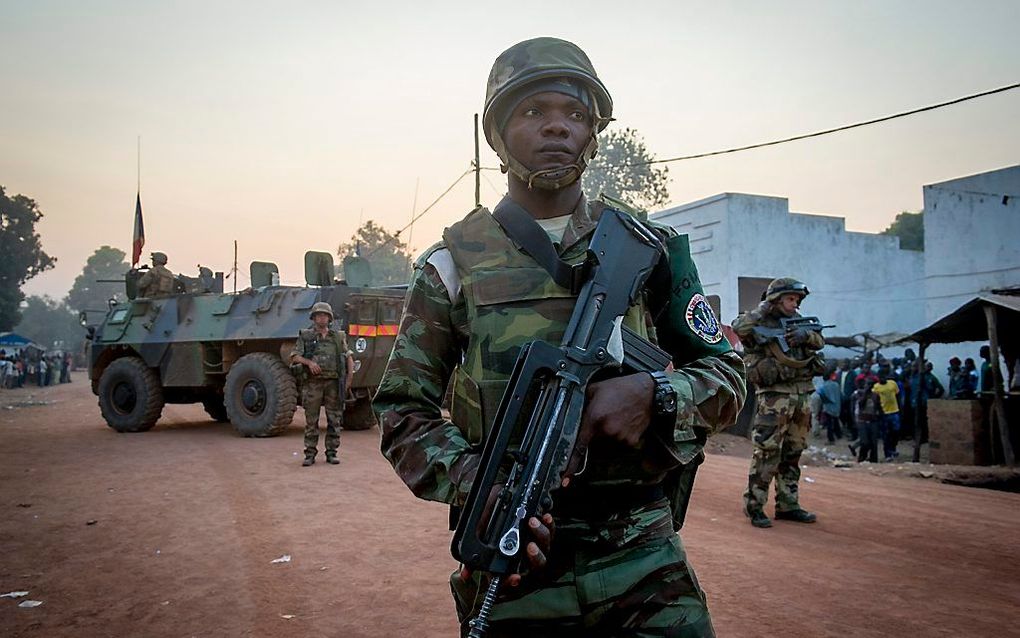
(958, 432)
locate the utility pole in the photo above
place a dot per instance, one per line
(410, 230)
(478, 169)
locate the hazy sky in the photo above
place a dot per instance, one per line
(282, 125)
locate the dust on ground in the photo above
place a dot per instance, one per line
(179, 532)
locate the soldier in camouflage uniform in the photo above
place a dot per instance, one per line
(158, 281)
(323, 351)
(616, 565)
(783, 386)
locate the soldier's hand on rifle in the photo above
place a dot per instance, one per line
(619, 409)
(539, 530)
(797, 336)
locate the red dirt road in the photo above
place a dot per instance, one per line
(189, 516)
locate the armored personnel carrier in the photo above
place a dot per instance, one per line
(230, 352)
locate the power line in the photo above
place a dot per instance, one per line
(396, 235)
(832, 130)
(492, 186)
(795, 138)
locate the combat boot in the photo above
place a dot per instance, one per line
(332, 460)
(758, 518)
(797, 516)
(309, 460)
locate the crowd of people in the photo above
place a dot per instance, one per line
(874, 400)
(18, 371)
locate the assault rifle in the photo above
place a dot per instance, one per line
(536, 425)
(763, 335)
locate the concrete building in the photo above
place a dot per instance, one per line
(972, 238)
(741, 242)
(972, 245)
(862, 282)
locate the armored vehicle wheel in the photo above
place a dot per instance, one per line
(215, 408)
(359, 415)
(130, 396)
(260, 395)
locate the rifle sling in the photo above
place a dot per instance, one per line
(522, 228)
(781, 356)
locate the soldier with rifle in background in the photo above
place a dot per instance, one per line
(496, 286)
(781, 353)
(326, 367)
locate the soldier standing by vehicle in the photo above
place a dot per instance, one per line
(330, 367)
(783, 386)
(616, 565)
(158, 281)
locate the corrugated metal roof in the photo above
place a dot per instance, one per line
(967, 323)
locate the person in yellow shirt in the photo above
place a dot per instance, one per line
(889, 429)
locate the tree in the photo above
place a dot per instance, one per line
(909, 227)
(389, 257)
(620, 170)
(88, 293)
(21, 251)
(51, 324)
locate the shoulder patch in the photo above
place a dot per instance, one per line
(701, 320)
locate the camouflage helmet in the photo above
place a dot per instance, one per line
(159, 259)
(323, 307)
(541, 61)
(785, 285)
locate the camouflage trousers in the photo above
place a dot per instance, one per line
(781, 426)
(623, 577)
(317, 393)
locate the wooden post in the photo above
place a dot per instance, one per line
(922, 372)
(998, 416)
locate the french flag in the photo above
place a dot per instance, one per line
(139, 236)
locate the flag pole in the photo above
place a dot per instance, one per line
(138, 236)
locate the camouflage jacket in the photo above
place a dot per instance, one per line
(329, 351)
(157, 281)
(465, 324)
(764, 369)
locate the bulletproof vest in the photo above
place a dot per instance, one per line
(325, 351)
(157, 282)
(510, 300)
(163, 283)
(770, 374)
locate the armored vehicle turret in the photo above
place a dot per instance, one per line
(230, 352)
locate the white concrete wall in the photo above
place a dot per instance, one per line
(864, 282)
(972, 244)
(705, 224)
(972, 238)
(737, 235)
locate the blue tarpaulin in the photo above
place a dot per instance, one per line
(12, 340)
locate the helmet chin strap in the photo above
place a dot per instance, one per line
(548, 178)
